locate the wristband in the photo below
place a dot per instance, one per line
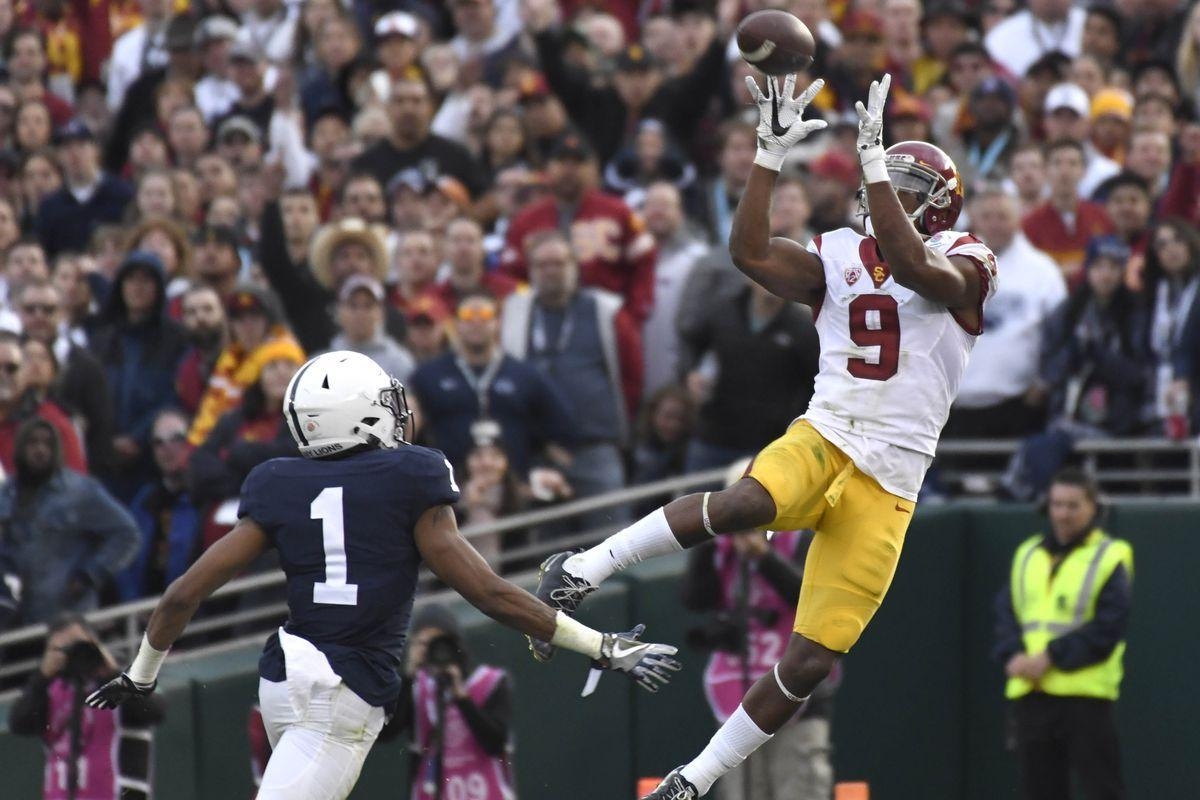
(576, 636)
(144, 669)
(874, 164)
(769, 160)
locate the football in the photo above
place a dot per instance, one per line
(775, 42)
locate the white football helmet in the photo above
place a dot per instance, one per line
(341, 400)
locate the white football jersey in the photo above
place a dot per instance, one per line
(891, 360)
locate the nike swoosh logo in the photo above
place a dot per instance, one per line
(776, 128)
(902, 508)
(619, 653)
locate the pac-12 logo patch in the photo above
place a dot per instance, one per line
(852, 275)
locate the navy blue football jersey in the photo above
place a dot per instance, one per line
(344, 529)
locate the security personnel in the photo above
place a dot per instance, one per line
(1061, 635)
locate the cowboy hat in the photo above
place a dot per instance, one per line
(336, 234)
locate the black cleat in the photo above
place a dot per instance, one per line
(560, 590)
(674, 787)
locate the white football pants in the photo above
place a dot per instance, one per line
(316, 754)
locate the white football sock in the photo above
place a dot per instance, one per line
(650, 536)
(729, 746)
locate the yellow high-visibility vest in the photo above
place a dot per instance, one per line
(1049, 604)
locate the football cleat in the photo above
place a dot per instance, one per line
(674, 787)
(560, 590)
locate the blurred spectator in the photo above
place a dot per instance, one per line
(247, 435)
(853, 64)
(167, 517)
(1067, 116)
(89, 753)
(1046, 26)
(25, 60)
(1102, 34)
(361, 302)
(1095, 367)
(396, 46)
(578, 338)
(215, 258)
(166, 239)
(735, 157)
(271, 26)
(214, 91)
(1027, 178)
(362, 197)
(257, 337)
(413, 145)
(427, 334)
(678, 251)
(89, 197)
(1128, 203)
(610, 245)
(833, 187)
(1172, 280)
(416, 268)
(41, 176)
(638, 89)
(34, 126)
(545, 116)
(747, 335)
(478, 382)
(989, 143)
(459, 715)
(1062, 226)
(1111, 113)
(1001, 394)
(651, 156)
(1149, 158)
(255, 104)
(491, 490)
(750, 584)
(140, 349)
(466, 260)
(81, 387)
(664, 427)
(140, 49)
(19, 402)
(1151, 29)
(203, 317)
(65, 534)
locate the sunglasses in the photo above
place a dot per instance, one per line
(174, 438)
(40, 308)
(478, 314)
(10, 367)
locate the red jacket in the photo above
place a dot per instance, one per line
(1182, 198)
(1047, 231)
(612, 246)
(72, 450)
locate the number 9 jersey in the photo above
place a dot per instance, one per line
(891, 360)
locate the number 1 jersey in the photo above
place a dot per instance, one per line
(891, 361)
(344, 530)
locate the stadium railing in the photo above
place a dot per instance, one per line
(255, 603)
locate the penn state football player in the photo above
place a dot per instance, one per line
(352, 521)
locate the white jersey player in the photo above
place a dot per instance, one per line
(897, 312)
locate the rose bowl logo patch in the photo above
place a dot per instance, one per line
(852, 274)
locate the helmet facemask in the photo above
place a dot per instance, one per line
(911, 178)
(394, 400)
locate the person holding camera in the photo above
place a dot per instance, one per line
(752, 584)
(91, 754)
(460, 715)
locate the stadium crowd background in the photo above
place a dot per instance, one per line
(520, 208)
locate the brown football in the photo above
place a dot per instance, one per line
(775, 42)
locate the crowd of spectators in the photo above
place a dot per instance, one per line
(520, 208)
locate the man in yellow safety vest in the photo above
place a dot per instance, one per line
(1061, 635)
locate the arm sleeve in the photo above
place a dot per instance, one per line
(437, 482)
(115, 531)
(1096, 639)
(701, 587)
(490, 722)
(1008, 639)
(31, 711)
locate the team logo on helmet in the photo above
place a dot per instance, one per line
(852, 274)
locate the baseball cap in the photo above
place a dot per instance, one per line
(397, 23)
(1070, 96)
(635, 58)
(75, 130)
(909, 106)
(571, 145)
(365, 282)
(993, 86)
(1111, 247)
(243, 49)
(181, 33)
(533, 86)
(239, 124)
(216, 234)
(410, 178)
(218, 28)
(426, 309)
(1114, 102)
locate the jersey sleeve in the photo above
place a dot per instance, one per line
(435, 482)
(252, 503)
(953, 243)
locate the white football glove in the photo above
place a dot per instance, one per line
(870, 130)
(779, 118)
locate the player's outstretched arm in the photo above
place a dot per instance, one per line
(459, 566)
(953, 281)
(230, 555)
(781, 266)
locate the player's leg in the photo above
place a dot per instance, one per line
(317, 755)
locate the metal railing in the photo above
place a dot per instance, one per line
(1125, 467)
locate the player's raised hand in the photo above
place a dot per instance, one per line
(649, 665)
(870, 129)
(780, 118)
(117, 691)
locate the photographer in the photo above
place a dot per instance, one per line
(752, 585)
(460, 716)
(90, 754)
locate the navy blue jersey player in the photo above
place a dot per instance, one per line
(352, 521)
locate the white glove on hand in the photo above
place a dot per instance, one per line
(779, 118)
(870, 131)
